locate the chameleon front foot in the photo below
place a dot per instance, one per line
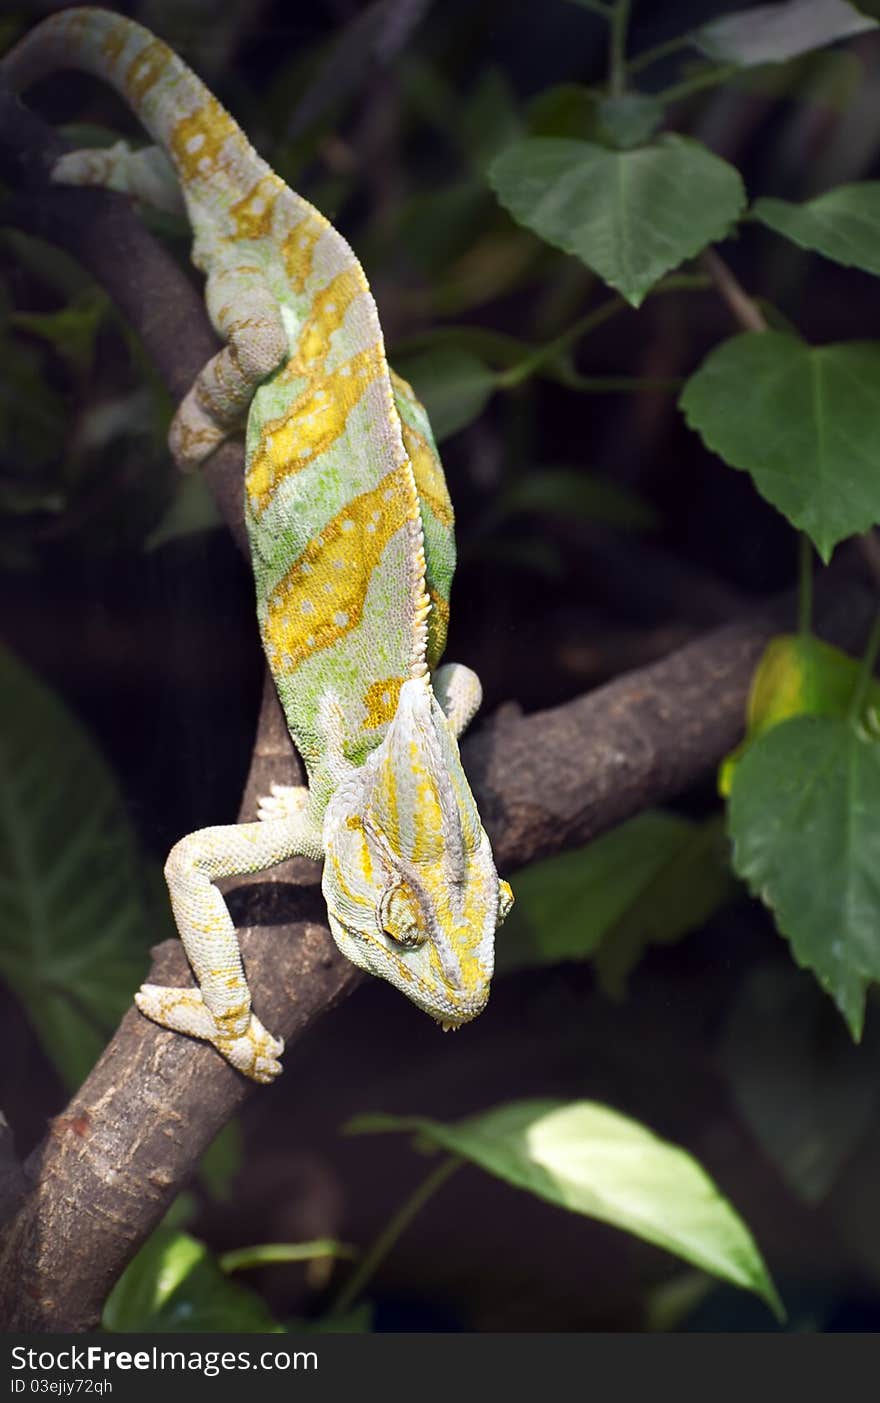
(253, 1052)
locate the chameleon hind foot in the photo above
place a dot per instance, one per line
(254, 1052)
(284, 801)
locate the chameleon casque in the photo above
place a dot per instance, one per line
(351, 534)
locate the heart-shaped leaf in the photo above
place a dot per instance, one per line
(630, 215)
(843, 224)
(803, 817)
(802, 420)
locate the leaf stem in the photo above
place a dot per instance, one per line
(243, 1258)
(617, 48)
(709, 78)
(524, 369)
(376, 1254)
(866, 671)
(653, 55)
(744, 308)
(805, 585)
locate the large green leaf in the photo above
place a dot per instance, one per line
(175, 1284)
(647, 881)
(73, 894)
(804, 821)
(805, 1091)
(773, 33)
(630, 215)
(454, 385)
(591, 1160)
(843, 224)
(802, 420)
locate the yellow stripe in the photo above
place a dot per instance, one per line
(321, 597)
(146, 70)
(197, 140)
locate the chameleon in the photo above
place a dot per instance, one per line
(351, 534)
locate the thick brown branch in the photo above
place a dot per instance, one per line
(133, 1134)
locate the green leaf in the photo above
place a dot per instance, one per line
(803, 819)
(586, 1158)
(631, 119)
(843, 224)
(174, 1284)
(569, 109)
(809, 438)
(568, 905)
(631, 216)
(773, 33)
(73, 905)
(72, 331)
(570, 493)
(806, 1093)
(798, 675)
(453, 384)
(692, 883)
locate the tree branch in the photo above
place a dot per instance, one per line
(134, 1132)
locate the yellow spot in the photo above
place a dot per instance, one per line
(212, 122)
(114, 43)
(380, 700)
(252, 216)
(336, 594)
(298, 249)
(145, 70)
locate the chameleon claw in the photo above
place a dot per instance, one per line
(282, 802)
(254, 1052)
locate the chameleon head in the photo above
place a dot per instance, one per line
(409, 878)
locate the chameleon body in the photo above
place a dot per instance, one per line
(351, 533)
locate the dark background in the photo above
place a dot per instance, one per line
(157, 655)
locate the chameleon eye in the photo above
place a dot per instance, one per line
(505, 900)
(400, 917)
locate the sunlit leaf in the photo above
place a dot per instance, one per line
(802, 420)
(631, 216)
(798, 675)
(591, 1160)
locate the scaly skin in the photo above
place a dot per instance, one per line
(351, 532)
